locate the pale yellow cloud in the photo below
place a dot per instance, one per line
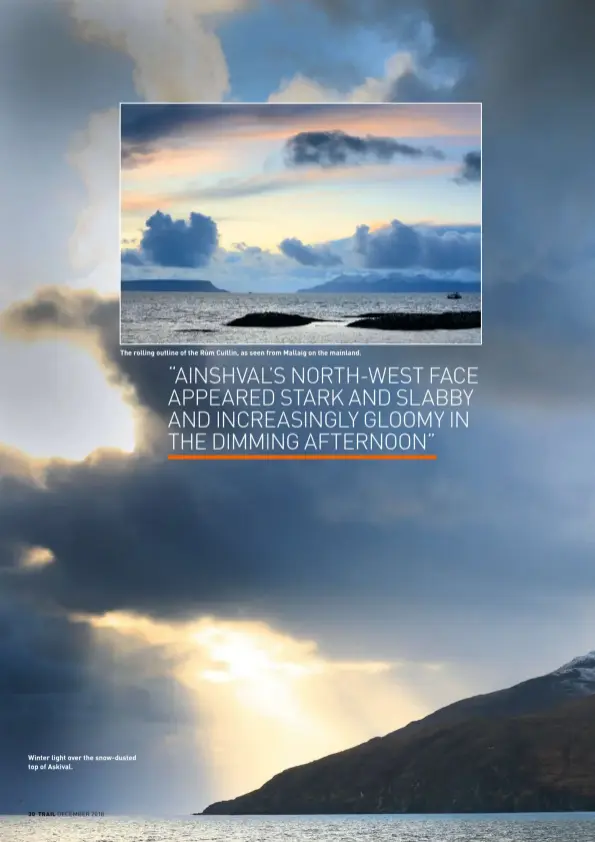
(177, 55)
(94, 244)
(374, 89)
(36, 557)
(266, 700)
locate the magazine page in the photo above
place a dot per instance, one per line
(296, 324)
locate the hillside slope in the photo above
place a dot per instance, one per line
(528, 748)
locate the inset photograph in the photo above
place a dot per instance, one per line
(300, 224)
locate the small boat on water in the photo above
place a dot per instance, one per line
(454, 295)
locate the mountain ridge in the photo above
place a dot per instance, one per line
(528, 747)
(391, 283)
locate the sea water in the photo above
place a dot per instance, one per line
(156, 318)
(566, 827)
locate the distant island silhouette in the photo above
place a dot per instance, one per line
(390, 284)
(340, 284)
(165, 285)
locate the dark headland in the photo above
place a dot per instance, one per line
(529, 748)
(165, 285)
(454, 320)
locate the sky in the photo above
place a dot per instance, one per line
(184, 614)
(225, 191)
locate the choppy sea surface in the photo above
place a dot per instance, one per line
(170, 318)
(565, 827)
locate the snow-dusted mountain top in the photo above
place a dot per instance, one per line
(581, 670)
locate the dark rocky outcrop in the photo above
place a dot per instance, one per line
(272, 319)
(528, 748)
(456, 320)
(379, 321)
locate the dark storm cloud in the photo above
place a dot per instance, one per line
(161, 514)
(144, 126)
(246, 249)
(410, 87)
(465, 26)
(177, 242)
(536, 83)
(60, 309)
(29, 668)
(337, 148)
(130, 257)
(401, 246)
(131, 513)
(134, 534)
(137, 533)
(145, 123)
(62, 692)
(308, 255)
(471, 169)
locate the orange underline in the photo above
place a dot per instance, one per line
(301, 456)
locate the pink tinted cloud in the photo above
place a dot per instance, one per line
(391, 119)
